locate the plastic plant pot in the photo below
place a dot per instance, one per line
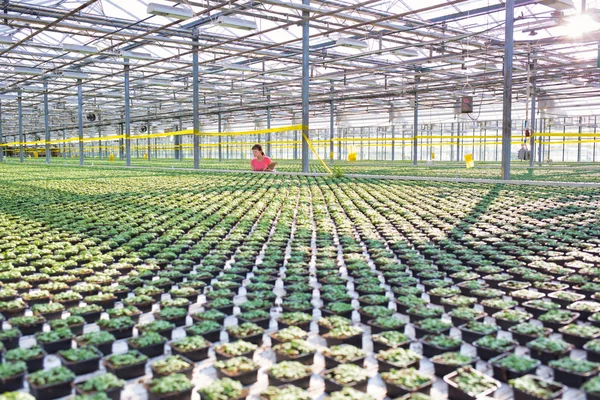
(32, 329)
(555, 326)
(302, 383)
(430, 350)
(256, 338)
(487, 354)
(345, 314)
(112, 394)
(504, 374)
(245, 378)
(332, 386)
(121, 333)
(379, 346)
(442, 369)
(394, 390)
(456, 393)
(82, 367)
(37, 363)
(305, 326)
(153, 350)
(387, 366)
(12, 343)
(105, 348)
(181, 395)
(456, 321)
(545, 356)
(227, 310)
(223, 356)
(54, 347)
(355, 340)
(573, 379)
(523, 339)
(556, 389)
(12, 383)
(331, 362)
(212, 336)
(50, 392)
(264, 323)
(127, 371)
(187, 371)
(577, 341)
(193, 355)
(240, 397)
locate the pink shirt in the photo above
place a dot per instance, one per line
(260, 165)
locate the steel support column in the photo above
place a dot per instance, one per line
(305, 84)
(331, 122)
(578, 141)
(221, 128)
(532, 127)
(127, 117)
(99, 137)
(220, 122)
(148, 143)
(268, 123)
(20, 111)
(416, 121)
(46, 122)
(180, 158)
(80, 119)
(507, 91)
(195, 99)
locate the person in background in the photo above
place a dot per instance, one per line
(261, 162)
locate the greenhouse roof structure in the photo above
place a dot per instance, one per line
(365, 57)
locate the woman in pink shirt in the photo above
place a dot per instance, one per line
(260, 162)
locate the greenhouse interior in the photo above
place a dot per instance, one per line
(299, 200)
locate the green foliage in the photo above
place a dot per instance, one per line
(442, 341)
(51, 376)
(408, 378)
(289, 370)
(22, 354)
(535, 386)
(236, 348)
(347, 374)
(592, 386)
(96, 338)
(54, 336)
(473, 382)
(170, 384)
(203, 327)
(516, 363)
(116, 323)
(390, 338)
(290, 333)
(576, 366)
(549, 345)
(236, 365)
(147, 339)
(494, 343)
(433, 325)
(398, 356)
(101, 383)
(222, 389)
(80, 354)
(130, 358)
(11, 369)
(245, 329)
(452, 358)
(190, 343)
(170, 365)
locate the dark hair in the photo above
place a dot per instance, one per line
(259, 148)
